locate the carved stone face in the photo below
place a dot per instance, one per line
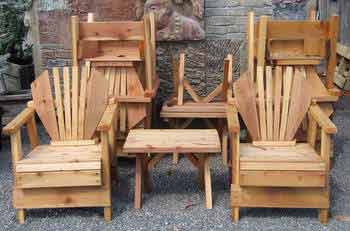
(162, 10)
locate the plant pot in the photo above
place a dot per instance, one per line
(18, 77)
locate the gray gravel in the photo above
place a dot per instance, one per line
(177, 203)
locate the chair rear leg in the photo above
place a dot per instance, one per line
(235, 214)
(323, 216)
(107, 212)
(20, 215)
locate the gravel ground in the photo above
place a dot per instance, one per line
(177, 203)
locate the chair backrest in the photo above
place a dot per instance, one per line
(71, 107)
(221, 93)
(275, 110)
(108, 42)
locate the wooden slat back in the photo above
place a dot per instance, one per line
(283, 100)
(75, 110)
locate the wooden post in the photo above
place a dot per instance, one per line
(75, 39)
(148, 53)
(180, 93)
(138, 182)
(332, 60)
(251, 45)
(32, 132)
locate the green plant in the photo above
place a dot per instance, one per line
(13, 31)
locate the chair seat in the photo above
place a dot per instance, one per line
(292, 166)
(60, 166)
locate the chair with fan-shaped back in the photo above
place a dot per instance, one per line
(273, 170)
(74, 169)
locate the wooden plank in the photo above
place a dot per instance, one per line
(180, 93)
(32, 133)
(172, 140)
(67, 102)
(218, 90)
(227, 81)
(117, 83)
(262, 41)
(25, 167)
(207, 181)
(73, 142)
(282, 166)
(261, 95)
(75, 39)
(136, 111)
(245, 99)
(149, 59)
(97, 88)
(250, 31)
(278, 197)
(277, 102)
(269, 95)
(123, 89)
(283, 178)
(58, 100)
(44, 104)
(323, 121)
(61, 197)
(109, 31)
(332, 59)
(82, 102)
(299, 103)
(111, 79)
(274, 143)
(75, 100)
(287, 84)
(138, 183)
(58, 179)
(191, 92)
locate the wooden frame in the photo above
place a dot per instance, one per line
(297, 43)
(261, 175)
(126, 52)
(82, 142)
(181, 112)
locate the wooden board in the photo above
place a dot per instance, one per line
(136, 111)
(279, 197)
(246, 104)
(287, 84)
(172, 140)
(97, 89)
(299, 103)
(277, 102)
(44, 104)
(58, 179)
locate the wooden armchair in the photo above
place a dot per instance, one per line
(273, 170)
(74, 169)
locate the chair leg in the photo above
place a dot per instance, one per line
(175, 158)
(107, 212)
(323, 216)
(235, 214)
(20, 215)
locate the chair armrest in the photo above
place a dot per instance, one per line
(323, 121)
(19, 121)
(107, 117)
(232, 119)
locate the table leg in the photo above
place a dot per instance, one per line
(138, 181)
(201, 171)
(175, 158)
(146, 178)
(207, 180)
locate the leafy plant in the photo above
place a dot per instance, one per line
(13, 31)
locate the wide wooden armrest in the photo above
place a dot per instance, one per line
(232, 119)
(107, 117)
(323, 121)
(19, 121)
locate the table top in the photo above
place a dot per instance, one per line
(172, 140)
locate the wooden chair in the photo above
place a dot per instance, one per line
(126, 52)
(180, 112)
(74, 169)
(290, 42)
(274, 170)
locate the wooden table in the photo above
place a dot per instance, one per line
(197, 144)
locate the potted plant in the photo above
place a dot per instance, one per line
(13, 32)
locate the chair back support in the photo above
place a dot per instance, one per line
(275, 109)
(73, 107)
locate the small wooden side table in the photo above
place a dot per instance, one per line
(197, 144)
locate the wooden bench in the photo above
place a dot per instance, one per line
(197, 144)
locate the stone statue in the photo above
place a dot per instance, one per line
(172, 25)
